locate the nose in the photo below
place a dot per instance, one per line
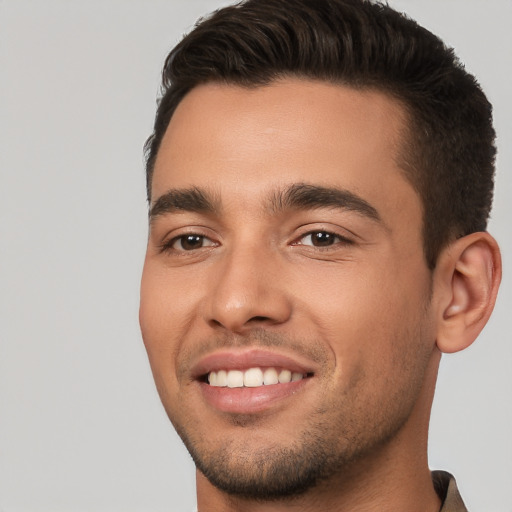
(247, 291)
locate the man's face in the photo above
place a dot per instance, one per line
(284, 244)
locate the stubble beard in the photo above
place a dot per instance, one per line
(325, 451)
(270, 473)
(336, 443)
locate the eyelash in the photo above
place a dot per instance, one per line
(336, 239)
(168, 246)
(329, 236)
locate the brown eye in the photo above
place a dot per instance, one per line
(191, 242)
(320, 239)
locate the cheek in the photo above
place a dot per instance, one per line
(167, 302)
(160, 314)
(345, 298)
(378, 334)
(366, 314)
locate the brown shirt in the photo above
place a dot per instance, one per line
(446, 488)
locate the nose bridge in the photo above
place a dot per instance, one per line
(247, 288)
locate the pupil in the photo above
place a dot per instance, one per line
(322, 239)
(191, 242)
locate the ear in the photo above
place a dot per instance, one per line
(466, 282)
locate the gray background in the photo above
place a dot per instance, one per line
(81, 427)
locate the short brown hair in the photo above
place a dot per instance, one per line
(448, 153)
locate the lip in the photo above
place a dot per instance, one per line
(250, 400)
(245, 359)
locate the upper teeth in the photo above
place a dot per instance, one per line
(252, 378)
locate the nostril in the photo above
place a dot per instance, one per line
(259, 319)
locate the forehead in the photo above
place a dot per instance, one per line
(243, 142)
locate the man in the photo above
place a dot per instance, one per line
(320, 178)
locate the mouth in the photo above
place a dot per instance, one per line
(251, 381)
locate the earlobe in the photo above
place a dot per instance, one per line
(467, 278)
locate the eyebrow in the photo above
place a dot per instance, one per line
(303, 196)
(191, 199)
(299, 196)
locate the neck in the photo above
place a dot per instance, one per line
(395, 478)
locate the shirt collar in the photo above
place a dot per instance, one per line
(446, 488)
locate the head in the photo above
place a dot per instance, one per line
(319, 177)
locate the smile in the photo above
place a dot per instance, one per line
(253, 377)
(250, 381)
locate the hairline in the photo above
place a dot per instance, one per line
(404, 157)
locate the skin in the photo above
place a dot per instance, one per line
(363, 313)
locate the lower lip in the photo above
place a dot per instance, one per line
(250, 400)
